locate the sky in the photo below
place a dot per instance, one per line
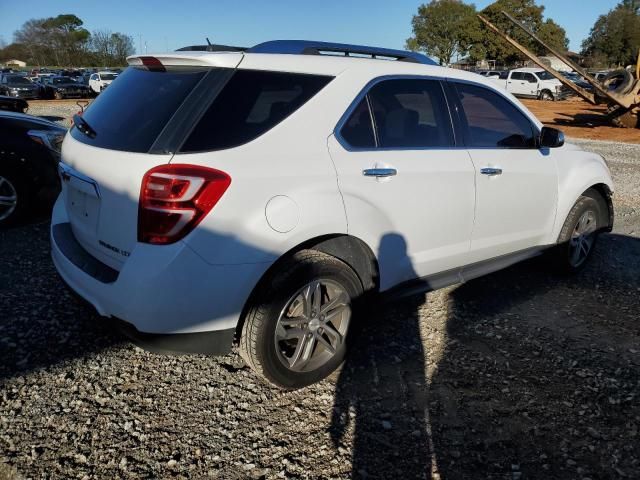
(164, 25)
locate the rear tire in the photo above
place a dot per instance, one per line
(547, 96)
(579, 234)
(296, 328)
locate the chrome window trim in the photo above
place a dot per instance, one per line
(365, 92)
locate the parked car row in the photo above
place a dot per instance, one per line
(58, 85)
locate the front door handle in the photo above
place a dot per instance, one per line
(491, 171)
(380, 172)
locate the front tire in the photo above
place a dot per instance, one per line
(296, 329)
(579, 234)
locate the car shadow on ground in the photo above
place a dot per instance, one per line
(515, 389)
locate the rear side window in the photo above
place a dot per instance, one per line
(492, 121)
(250, 104)
(411, 113)
(131, 113)
(517, 76)
(358, 129)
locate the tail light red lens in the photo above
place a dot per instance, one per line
(174, 199)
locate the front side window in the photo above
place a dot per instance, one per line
(492, 121)
(411, 113)
(249, 105)
(529, 77)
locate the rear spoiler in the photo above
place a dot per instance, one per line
(187, 59)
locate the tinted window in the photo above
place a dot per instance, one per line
(358, 129)
(529, 77)
(493, 121)
(18, 80)
(517, 76)
(63, 80)
(132, 112)
(544, 75)
(250, 104)
(411, 113)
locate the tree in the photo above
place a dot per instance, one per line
(531, 16)
(122, 47)
(62, 41)
(111, 49)
(615, 37)
(444, 29)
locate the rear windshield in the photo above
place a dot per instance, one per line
(250, 104)
(108, 76)
(131, 113)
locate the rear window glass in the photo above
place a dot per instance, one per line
(131, 113)
(250, 104)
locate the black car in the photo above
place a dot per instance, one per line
(13, 104)
(18, 86)
(63, 87)
(29, 157)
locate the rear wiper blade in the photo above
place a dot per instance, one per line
(82, 125)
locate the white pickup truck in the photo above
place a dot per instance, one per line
(532, 83)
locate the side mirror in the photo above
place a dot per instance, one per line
(551, 138)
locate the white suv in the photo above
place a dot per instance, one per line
(263, 196)
(101, 80)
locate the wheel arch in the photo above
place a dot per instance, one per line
(347, 248)
(605, 198)
(546, 90)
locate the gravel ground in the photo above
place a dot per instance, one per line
(520, 374)
(59, 111)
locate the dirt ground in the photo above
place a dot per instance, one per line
(578, 119)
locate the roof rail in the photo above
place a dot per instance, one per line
(307, 47)
(211, 48)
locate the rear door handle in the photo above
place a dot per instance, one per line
(491, 171)
(380, 172)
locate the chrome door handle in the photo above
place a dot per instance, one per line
(380, 172)
(491, 171)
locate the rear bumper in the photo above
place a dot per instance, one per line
(166, 295)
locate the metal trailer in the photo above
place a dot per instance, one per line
(622, 97)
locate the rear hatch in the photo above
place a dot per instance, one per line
(130, 128)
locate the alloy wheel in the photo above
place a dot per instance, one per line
(313, 325)
(8, 198)
(582, 238)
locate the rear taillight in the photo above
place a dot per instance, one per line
(175, 198)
